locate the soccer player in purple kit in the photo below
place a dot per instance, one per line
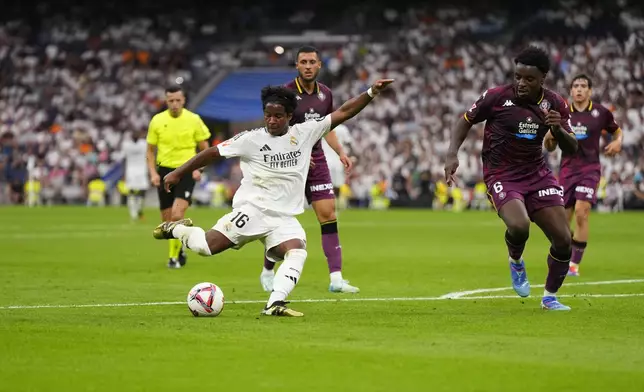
(314, 101)
(520, 185)
(580, 172)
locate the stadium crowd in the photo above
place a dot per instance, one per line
(71, 92)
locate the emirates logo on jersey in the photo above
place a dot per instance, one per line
(282, 160)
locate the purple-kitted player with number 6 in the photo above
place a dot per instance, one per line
(520, 184)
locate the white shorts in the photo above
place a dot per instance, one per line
(248, 223)
(338, 175)
(137, 181)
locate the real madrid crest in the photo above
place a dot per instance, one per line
(321, 96)
(294, 141)
(545, 105)
(595, 113)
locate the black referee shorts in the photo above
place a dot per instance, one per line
(183, 190)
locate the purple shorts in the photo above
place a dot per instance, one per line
(318, 182)
(579, 187)
(537, 192)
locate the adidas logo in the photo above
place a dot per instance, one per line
(508, 103)
(265, 148)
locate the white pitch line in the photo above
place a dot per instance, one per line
(459, 294)
(558, 296)
(319, 300)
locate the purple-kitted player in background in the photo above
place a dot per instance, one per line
(581, 171)
(520, 184)
(314, 101)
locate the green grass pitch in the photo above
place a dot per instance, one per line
(493, 342)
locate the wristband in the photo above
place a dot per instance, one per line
(370, 93)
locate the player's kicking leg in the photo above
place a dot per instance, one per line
(552, 221)
(515, 216)
(253, 227)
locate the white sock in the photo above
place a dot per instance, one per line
(547, 293)
(336, 277)
(267, 271)
(131, 205)
(194, 238)
(288, 274)
(514, 261)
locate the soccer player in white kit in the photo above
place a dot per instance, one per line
(275, 162)
(136, 173)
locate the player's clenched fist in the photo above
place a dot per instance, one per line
(553, 118)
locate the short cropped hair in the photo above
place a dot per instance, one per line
(174, 89)
(535, 57)
(307, 49)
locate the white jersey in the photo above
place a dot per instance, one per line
(136, 167)
(275, 168)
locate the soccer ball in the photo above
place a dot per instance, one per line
(206, 299)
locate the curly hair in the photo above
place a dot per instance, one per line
(281, 96)
(535, 57)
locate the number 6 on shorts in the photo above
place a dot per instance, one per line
(498, 187)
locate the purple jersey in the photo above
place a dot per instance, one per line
(514, 132)
(311, 107)
(588, 125)
(581, 172)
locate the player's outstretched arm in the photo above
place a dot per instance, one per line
(356, 104)
(204, 158)
(458, 137)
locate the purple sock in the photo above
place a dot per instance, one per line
(578, 248)
(557, 269)
(331, 245)
(515, 246)
(269, 265)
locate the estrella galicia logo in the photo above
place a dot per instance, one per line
(581, 131)
(527, 129)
